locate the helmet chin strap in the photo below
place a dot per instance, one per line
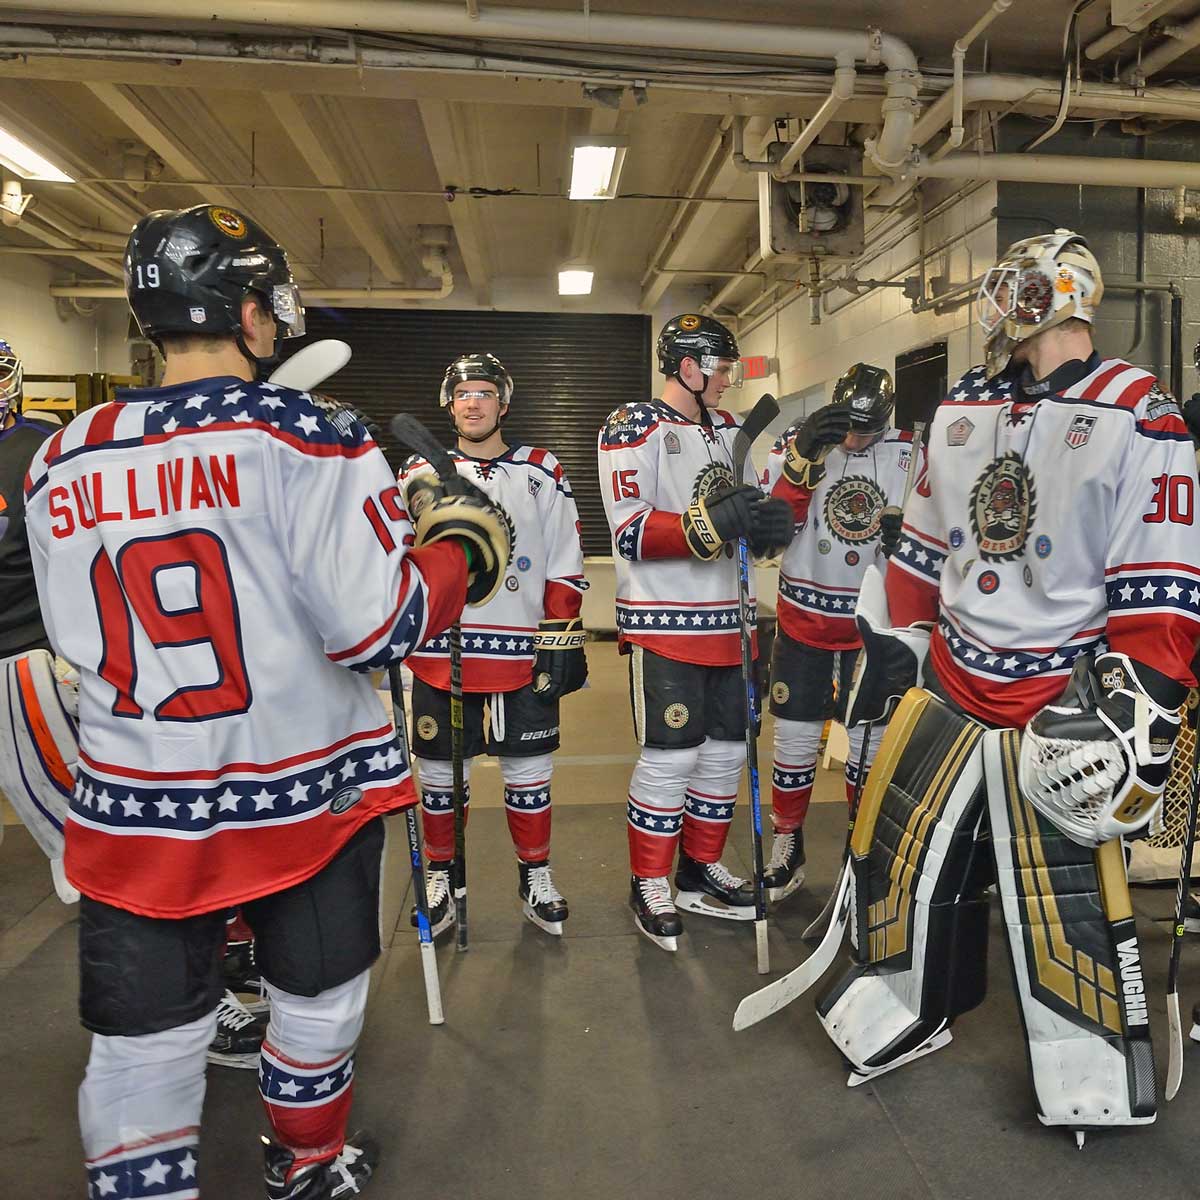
(698, 396)
(475, 438)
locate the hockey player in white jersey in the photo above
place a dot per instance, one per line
(842, 469)
(1046, 593)
(225, 561)
(522, 651)
(675, 510)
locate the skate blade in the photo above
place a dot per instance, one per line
(241, 1062)
(794, 885)
(935, 1043)
(663, 943)
(554, 928)
(709, 906)
(1194, 1033)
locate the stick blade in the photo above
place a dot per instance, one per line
(1175, 1046)
(816, 931)
(769, 1000)
(310, 366)
(757, 419)
(410, 432)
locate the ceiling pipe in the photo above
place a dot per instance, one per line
(1180, 39)
(1118, 35)
(843, 89)
(959, 54)
(1060, 168)
(870, 47)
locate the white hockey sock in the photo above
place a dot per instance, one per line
(710, 797)
(794, 771)
(527, 803)
(655, 810)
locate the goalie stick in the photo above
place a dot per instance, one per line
(409, 431)
(791, 986)
(759, 417)
(1174, 1024)
(433, 987)
(311, 365)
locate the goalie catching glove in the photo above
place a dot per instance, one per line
(560, 666)
(1096, 762)
(737, 512)
(456, 508)
(804, 459)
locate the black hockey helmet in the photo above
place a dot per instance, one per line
(703, 339)
(476, 366)
(868, 393)
(187, 271)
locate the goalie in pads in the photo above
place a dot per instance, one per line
(1035, 629)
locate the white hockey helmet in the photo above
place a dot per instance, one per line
(11, 377)
(1038, 283)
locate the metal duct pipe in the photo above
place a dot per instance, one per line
(1059, 168)
(843, 90)
(1183, 38)
(871, 46)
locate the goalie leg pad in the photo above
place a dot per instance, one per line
(38, 748)
(920, 865)
(1076, 963)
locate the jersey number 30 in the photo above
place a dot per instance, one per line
(129, 588)
(1173, 500)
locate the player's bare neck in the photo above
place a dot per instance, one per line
(676, 396)
(491, 447)
(1050, 350)
(188, 366)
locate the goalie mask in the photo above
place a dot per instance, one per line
(1039, 283)
(11, 376)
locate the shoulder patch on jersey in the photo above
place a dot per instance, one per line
(977, 386)
(629, 423)
(1160, 403)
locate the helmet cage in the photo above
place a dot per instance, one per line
(11, 381)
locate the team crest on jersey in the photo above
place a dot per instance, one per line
(676, 716)
(1003, 505)
(852, 508)
(427, 728)
(671, 441)
(713, 478)
(535, 486)
(1079, 431)
(957, 432)
(1160, 403)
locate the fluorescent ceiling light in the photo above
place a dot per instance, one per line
(27, 162)
(596, 167)
(575, 281)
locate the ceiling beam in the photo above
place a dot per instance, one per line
(312, 149)
(450, 146)
(585, 216)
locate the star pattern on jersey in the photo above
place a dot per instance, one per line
(485, 644)
(976, 385)
(180, 808)
(630, 538)
(1012, 664)
(661, 822)
(162, 1171)
(651, 619)
(808, 596)
(918, 556)
(1131, 591)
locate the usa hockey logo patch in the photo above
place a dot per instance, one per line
(1079, 431)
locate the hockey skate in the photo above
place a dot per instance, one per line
(654, 911)
(543, 904)
(243, 979)
(346, 1175)
(712, 890)
(239, 1035)
(437, 893)
(785, 872)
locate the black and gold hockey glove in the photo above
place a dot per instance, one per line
(456, 508)
(560, 666)
(774, 527)
(719, 518)
(890, 521)
(804, 459)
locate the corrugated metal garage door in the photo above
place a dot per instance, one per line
(569, 370)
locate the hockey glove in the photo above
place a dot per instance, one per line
(560, 666)
(891, 660)
(1096, 761)
(719, 518)
(456, 508)
(890, 520)
(804, 459)
(774, 525)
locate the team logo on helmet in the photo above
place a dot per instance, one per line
(713, 478)
(427, 728)
(852, 508)
(228, 222)
(676, 716)
(1003, 505)
(689, 322)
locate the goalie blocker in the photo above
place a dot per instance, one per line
(941, 818)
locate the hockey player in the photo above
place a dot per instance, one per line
(522, 651)
(1047, 564)
(839, 469)
(674, 509)
(248, 563)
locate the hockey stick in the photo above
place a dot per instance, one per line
(759, 417)
(817, 928)
(1174, 1023)
(408, 430)
(433, 987)
(310, 366)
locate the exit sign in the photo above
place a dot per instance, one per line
(757, 366)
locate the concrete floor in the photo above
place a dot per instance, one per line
(597, 1067)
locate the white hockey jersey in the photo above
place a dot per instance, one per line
(544, 580)
(213, 556)
(837, 535)
(1047, 524)
(653, 464)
